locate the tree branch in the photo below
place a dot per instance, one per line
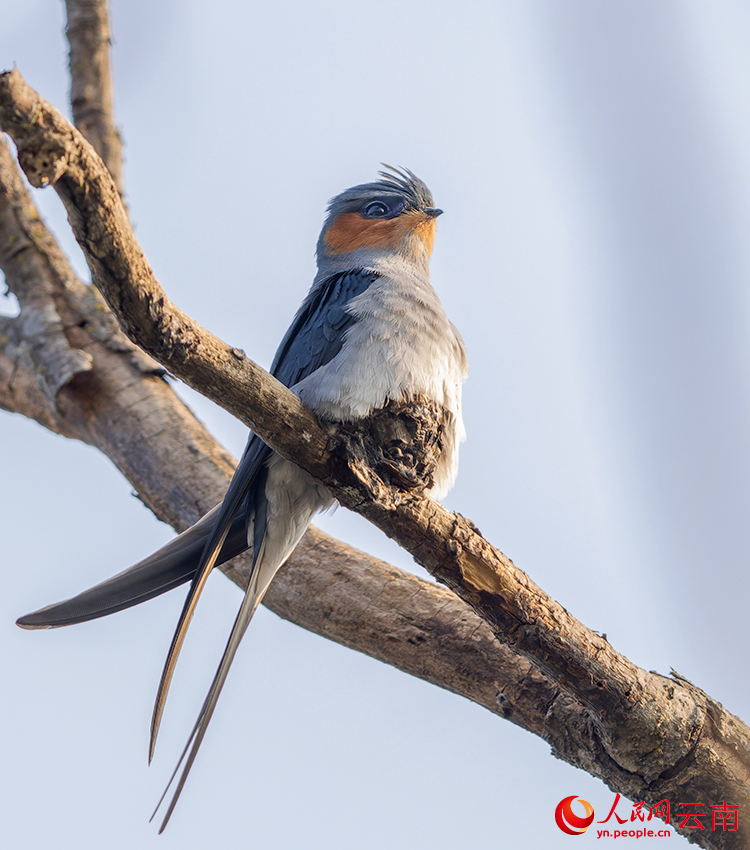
(649, 736)
(90, 85)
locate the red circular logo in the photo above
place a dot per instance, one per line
(568, 821)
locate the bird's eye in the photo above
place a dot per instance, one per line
(375, 209)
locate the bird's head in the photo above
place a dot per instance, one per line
(394, 215)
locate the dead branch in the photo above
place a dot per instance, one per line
(90, 84)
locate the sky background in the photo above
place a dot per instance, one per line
(592, 161)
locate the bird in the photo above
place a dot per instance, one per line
(370, 331)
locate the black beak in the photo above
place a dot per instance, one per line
(433, 213)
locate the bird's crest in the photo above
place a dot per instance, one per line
(396, 181)
(406, 182)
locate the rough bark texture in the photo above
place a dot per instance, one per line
(90, 85)
(647, 736)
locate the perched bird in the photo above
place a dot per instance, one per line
(370, 331)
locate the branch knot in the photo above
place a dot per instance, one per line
(395, 450)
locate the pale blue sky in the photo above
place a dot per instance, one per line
(592, 161)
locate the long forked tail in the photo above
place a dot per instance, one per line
(283, 502)
(167, 568)
(250, 603)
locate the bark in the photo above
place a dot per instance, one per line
(90, 84)
(648, 736)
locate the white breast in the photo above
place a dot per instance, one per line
(401, 345)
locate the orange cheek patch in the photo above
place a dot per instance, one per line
(351, 232)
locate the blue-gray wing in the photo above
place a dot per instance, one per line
(169, 567)
(316, 335)
(314, 338)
